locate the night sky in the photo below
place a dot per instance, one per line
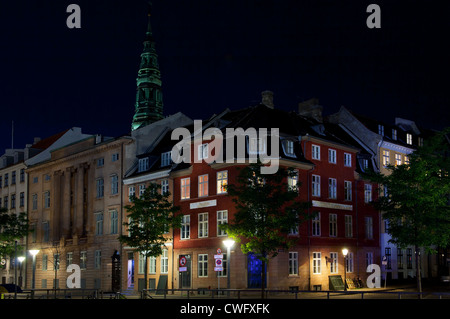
(216, 54)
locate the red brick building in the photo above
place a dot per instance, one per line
(328, 167)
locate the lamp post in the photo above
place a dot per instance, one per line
(33, 252)
(21, 259)
(345, 252)
(228, 243)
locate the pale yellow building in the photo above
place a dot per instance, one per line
(75, 207)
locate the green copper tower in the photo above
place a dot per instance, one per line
(149, 104)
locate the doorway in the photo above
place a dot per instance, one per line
(185, 276)
(254, 267)
(130, 271)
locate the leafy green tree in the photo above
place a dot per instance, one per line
(267, 209)
(13, 227)
(151, 215)
(415, 202)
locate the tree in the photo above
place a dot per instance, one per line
(151, 215)
(13, 227)
(416, 199)
(266, 211)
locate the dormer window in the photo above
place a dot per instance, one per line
(409, 139)
(143, 164)
(203, 151)
(394, 134)
(420, 141)
(166, 159)
(288, 147)
(257, 146)
(381, 130)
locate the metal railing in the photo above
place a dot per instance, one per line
(51, 293)
(289, 294)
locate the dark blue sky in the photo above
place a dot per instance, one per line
(216, 54)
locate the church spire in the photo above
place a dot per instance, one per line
(149, 104)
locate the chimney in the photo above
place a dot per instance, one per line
(267, 98)
(36, 139)
(311, 109)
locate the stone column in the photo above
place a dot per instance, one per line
(55, 205)
(67, 214)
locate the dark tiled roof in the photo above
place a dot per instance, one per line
(47, 142)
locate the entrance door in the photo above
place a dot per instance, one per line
(185, 276)
(254, 267)
(130, 281)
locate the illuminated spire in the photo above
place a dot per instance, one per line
(149, 104)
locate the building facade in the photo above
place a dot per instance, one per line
(75, 207)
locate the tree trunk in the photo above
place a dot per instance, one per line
(418, 270)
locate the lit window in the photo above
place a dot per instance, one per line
(165, 262)
(203, 185)
(409, 139)
(386, 160)
(185, 188)
(293, 181)
(316, 263)
(398, 159)
(222, 181)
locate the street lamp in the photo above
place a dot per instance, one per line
(33, 252)
(21, 259)
(228, 243)
(345, 252)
